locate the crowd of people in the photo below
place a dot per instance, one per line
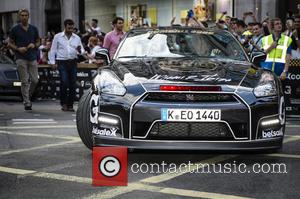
(92, 40)
(251, 34)
(278, 41)
(63, 50)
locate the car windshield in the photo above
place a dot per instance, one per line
(181, 43)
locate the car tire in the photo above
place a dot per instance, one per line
(84, 126)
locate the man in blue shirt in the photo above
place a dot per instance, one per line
(24, 40)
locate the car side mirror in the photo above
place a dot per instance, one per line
(256, 59)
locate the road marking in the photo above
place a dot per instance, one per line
(58, 167)
(45, 146)
(36, 115)
(293, 126)
(291, 138)
(33, 121)
(198, 165)
(38, 127)
(16, 123)
(137, 186)
(118, 191)
(152, 188)
(163, 177)
(63, 177)
(220, 158)
(46, 175)
(197, 194)
(111, 193)
(15, 171)
(40, 135)
(282, 155)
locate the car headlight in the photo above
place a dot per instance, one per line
(109, 84)
(264, 90)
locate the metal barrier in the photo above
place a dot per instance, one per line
(49, 81)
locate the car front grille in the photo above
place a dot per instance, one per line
(190, 97)
(190, 131)
(11, 75)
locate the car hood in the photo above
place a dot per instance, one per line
(228, 73)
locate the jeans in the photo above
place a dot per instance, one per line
(29, 77)
(67, 71)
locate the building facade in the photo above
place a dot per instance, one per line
(160, 12)
(49, 15)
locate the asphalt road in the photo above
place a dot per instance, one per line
(41, 156)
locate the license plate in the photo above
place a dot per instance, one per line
(16, 83)
(192, 115)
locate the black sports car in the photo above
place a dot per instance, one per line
(9, 78)
(182, 88)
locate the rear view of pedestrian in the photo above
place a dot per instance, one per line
(24, 40)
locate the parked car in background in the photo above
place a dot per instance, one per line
(10, 84)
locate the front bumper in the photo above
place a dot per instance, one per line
(10, 90)
(243, 122)
(264, 144)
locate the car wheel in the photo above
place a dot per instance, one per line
(84, 126)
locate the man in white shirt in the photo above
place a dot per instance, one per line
(63, 55)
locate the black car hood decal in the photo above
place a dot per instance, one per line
(169, 71)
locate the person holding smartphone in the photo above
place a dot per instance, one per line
(63, 55)
(192, 21)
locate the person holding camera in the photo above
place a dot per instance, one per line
(289, 24)
(63, 55)
(249, 14)
(93, 27)
(192, 21)
(295, 35)
(223, 24)
(240, 32)
(256, 40)
(278, 48)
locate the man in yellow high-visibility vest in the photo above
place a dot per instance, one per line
(278, 48)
